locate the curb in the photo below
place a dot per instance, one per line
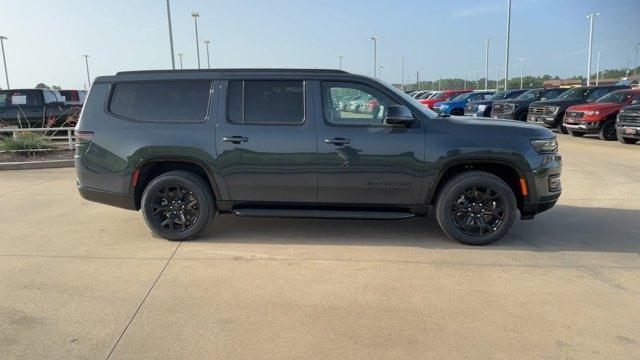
(47, 164)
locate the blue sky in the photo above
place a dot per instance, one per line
(439, 38)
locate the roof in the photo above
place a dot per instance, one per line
(235, 70)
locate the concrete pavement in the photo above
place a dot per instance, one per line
(80, 280)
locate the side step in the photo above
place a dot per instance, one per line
(324, 214)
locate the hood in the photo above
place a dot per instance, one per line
(558, 102)
(482, 125)
(596, 107)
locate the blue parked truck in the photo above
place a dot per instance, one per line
(457, 105)
(482, 108)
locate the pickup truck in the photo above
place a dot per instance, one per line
(628, 125)
(599, 117)
(549, 113)
(34, 108)
(518, 108)
(482, 108)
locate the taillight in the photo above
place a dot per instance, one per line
(83, 137)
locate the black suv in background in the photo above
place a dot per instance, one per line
(482, 108)
(187, 145)
(518, 108)
(628, 124)
(549, 113)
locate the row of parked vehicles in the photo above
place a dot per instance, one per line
(40, 107)
(611, 112)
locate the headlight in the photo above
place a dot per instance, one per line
(553, 109)
(591, 113)
(545, 146)
(510, 107)
(482, 107)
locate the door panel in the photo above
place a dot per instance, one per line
(361, 160)
(272, 157)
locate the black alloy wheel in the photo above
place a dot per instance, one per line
(478, 211)
(175, 207)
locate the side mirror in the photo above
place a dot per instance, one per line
(399, 115)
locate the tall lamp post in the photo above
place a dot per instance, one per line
(208, 62)
(591, 17)
(86, 63)
(402, 73)
(340, 61)
(180, 56)
(375, 53)
(486, 64)
(173, 60)
(195, 16)
(506, 56)
(598, 67)
(635, 62)
(4, 60)
(380, 71)
(523, 60)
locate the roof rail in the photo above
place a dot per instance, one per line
(235, 70)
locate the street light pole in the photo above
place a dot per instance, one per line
(486, 64)
(180, 56)
(380, 69)
(506, 57)
(498, 78)
(208, 62)
(464, 80)
(417, 79)
(523, 60)
(86, 63)
(4, 60)
(635, 62)
(598, 67)
(375, 53)
(590, 17)
(340, 61)
(195, 16)
(402, 73)
(173, 60)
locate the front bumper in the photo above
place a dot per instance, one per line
(629, 131)
(543, 183)
(548, 121)
(587, 127)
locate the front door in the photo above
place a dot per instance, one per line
(361, 159)
(265, 139)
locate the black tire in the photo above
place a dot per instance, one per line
(455, 191)
(608, 130)
(561, 128)
(522, 116)
(576, 133)
(626, 140)
(457, 112)
(196, 189)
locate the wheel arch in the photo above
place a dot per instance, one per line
(150, 167)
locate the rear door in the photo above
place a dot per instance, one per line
(361, 159)
(265, 140)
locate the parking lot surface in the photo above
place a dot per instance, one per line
(80, 280)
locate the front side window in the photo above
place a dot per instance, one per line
(369, 107)
(266, 101)
(161, 101)
(598, 93)
(530, 95)
(616, 97)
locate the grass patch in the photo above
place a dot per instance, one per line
(26, 141)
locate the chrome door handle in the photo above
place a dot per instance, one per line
(235, 139)
(337, 141)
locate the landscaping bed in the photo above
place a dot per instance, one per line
(10, 156)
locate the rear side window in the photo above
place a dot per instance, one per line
(265, 102)
(161, 101)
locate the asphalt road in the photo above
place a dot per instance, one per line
(80, 280)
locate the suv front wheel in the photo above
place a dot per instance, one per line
(177, 205)
(476, 208)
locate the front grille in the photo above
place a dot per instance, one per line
(574, 114)
(538, 110)
(629, 118)
(499, 109)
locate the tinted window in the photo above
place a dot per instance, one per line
(70, 95)
(368, 108)
(266, 101)
(598, 93)
(165, 101)
(20, 98)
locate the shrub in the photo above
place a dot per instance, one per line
(26, 141)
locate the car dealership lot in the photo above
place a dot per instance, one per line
(83, 280)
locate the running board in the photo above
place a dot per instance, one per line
(324, 214)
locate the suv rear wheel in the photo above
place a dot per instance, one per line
(177, 205)
(476, 208)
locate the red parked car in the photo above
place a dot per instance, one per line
(599, 117)
(442, 96)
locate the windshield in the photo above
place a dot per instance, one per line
(618, 97)
(499, 95)
(530, 95)
(574, 94)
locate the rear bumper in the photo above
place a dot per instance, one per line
(124, 201)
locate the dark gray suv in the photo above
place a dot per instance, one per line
(185, 146)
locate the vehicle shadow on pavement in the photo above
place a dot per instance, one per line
(563, 228)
